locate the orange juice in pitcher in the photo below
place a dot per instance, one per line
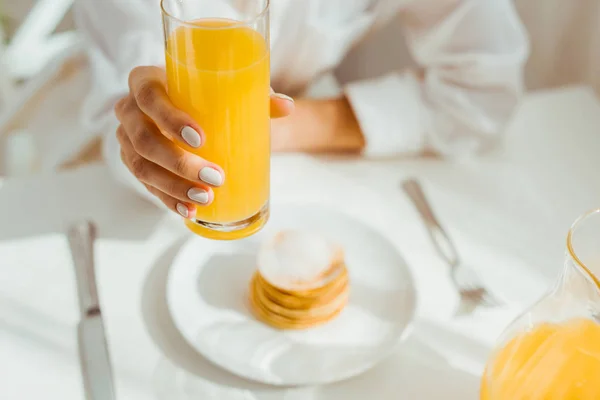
(552, 352)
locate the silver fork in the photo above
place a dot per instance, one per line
(467, 282)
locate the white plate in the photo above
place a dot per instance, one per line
(207, 297)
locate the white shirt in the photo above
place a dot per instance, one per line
(471, 53)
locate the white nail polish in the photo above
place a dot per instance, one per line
(191, 136)
(198, 195)
(211, 176)
(183, 210)
(283, 97)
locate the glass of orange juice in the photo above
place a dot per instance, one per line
(552, 352)
(217, 61)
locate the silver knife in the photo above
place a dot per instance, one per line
(93, 350)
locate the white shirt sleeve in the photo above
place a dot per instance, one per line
(472, 54)
(120, 35)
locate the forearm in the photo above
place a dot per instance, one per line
(319, 126)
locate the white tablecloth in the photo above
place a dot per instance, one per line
(508, 213)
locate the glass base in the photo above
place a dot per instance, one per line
(231, 231)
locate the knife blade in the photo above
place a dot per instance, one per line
(93, 349)
(94, 359)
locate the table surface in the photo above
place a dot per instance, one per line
(511, 208)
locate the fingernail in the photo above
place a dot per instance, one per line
(183, 210)
(283, 97)
(190, 136)
(211, 176)
(198, 195)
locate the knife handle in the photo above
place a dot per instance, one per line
(81, 240)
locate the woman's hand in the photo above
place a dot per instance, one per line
(180, 179)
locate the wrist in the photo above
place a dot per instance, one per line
(346, 133)
(322, 126)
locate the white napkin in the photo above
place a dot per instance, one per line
(37, 282)
(56, 374)
(37, 289)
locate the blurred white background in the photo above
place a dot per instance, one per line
(565, 36)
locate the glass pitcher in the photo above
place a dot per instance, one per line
(552, 351)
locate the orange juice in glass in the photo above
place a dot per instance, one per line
(217, 61)
(552, 352)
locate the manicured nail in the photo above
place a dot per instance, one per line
(211, 176)
(283, 97)
(191, 137)
(198, 195)
(183, 210)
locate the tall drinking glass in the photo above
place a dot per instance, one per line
(217, 60)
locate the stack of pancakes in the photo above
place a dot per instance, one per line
(302, 281)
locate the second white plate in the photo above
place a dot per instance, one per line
(207, 295)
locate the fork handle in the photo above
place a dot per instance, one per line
(441, 241)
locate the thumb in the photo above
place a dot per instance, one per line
(281, 105)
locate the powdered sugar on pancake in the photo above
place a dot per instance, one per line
(297, 259)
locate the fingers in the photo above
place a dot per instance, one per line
(179, 178)
(281, 105)
(169, 184)
(148, 88)
(139, 133)
(184, 209)
(171, 187)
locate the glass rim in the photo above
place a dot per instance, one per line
(236, 24)
(570, 247)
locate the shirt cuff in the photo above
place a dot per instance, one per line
(390, 113)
